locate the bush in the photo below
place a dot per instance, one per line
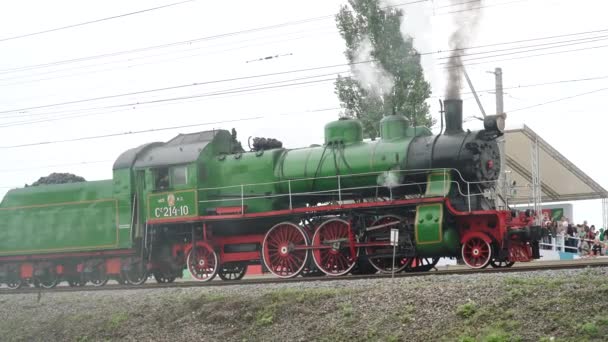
(466, 310)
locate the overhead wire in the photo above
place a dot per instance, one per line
(558, 100)
(573, 42)
(257, 118)
(55, 165)
(23, 79)
(464, 62)
(130, 104)
(570, 42)
(206, 38)
(239, 90)
(254, 87)
(94, 21)
(241, 78)
(157, 129)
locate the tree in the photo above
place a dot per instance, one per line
(393, 82)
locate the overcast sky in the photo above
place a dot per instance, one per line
(294, 114)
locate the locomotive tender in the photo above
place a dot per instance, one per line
(200, 202)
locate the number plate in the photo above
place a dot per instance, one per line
(172, 204)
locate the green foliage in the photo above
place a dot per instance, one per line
(276, 302)
(347, 310)
(117, 319)
(406, 314)
(466, 310)
(265, 316)
(393, 338)
(498, 336)
(373, 33)
(589, 329)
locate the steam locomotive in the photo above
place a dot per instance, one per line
(200, 202)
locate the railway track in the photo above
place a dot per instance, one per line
(452, 270)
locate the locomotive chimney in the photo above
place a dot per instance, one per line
(453, 116)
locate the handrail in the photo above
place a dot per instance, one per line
(558, 242)
(371, 173)
(339, 191)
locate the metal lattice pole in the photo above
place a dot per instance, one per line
(605, 213)
(536, 181)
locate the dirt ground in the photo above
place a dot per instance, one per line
(568, 305)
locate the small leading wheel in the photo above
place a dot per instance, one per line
(98, 276)
(419, 264)
(381, 256)
(232, 271)
(99, 279)
(163, 278)
(137, 274)
(47, 282)
(501, 263)
(76, 282)
(279, 250)
(14, 284)
(336, 256)
(476, 252)
(202, 262)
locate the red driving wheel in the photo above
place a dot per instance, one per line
(476, 252)
(279, 250)
(336, 258)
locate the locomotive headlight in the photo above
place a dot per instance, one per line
(494, 123)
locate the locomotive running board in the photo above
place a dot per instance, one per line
(303, 210)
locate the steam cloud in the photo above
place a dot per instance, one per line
(466, 21)
(371, 76)
(389, 179)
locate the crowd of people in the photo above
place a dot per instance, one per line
(575, 238)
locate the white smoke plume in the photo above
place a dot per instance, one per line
(370, 75)
(416, 24)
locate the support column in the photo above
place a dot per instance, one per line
(536, 181)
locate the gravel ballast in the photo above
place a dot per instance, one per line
(529, 306)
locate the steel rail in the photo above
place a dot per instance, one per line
(274, 280)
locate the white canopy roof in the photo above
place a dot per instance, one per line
(560, 179)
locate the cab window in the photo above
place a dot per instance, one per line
(161, 179)
(179, 175)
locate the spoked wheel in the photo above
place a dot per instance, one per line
(381, 257)
(476, 252)
(419, 264)
(99, 277)
(279, 250)
(14, 284)
(47, 282)
(336, 257)
(501, 263)
(137, 274)
(163, 278)
(49, 279)
(76, 282)
(202, 262)
(232, 271)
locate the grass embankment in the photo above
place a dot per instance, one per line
(546, 307)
